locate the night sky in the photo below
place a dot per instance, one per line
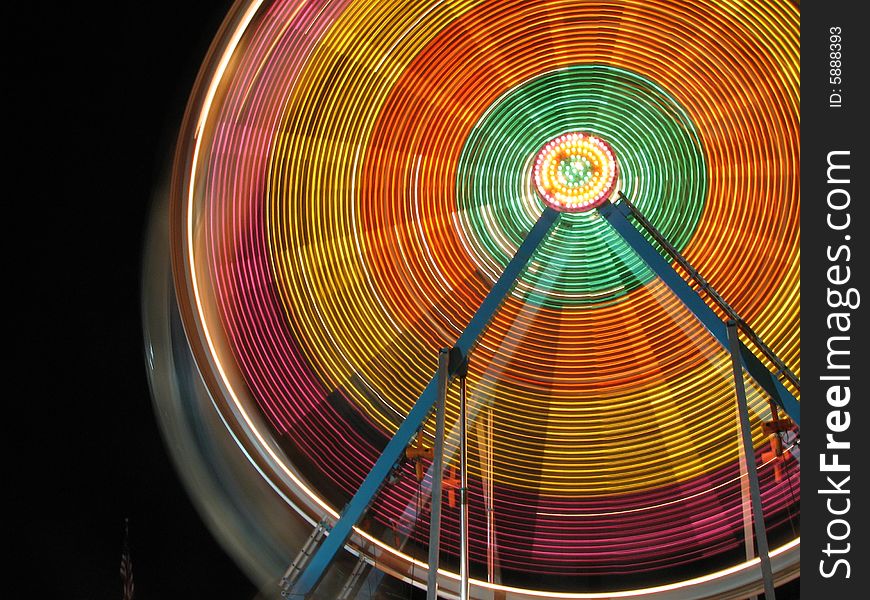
(97, 96)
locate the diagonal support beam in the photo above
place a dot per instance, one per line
(393, 451)
(617, 215)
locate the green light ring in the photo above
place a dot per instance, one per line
(662, 167)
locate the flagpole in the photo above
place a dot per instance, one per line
(126, 565)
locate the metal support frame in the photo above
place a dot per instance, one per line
(749, 457)
(347, 591)
(437, 475)
(710, 292)
(394, 449)
(745, 500)
(617, 215)
(463, 490)
(485, 442)
(303, 557)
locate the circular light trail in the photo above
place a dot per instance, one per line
(575, 172)
(354, 176)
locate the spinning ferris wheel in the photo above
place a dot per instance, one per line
(586, 213)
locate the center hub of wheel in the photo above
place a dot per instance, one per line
(575, 172)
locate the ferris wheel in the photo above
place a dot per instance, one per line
(584, 214)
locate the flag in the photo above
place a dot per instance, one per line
(126, 566)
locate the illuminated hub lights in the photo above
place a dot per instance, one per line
(575, 172)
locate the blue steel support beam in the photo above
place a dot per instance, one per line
(617, 215)
(395, 448)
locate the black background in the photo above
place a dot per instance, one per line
(93, 96)
(97, 93)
